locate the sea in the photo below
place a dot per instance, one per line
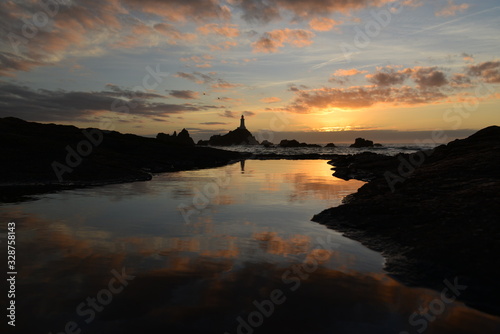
(341, 149)
(225, 250)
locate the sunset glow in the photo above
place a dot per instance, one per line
(154, 66)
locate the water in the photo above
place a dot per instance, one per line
(387, 149)
(226, 250)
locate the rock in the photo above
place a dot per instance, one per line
(239, 136)
(267, 143)
(434, 214)
(38, 156)
(361, 142)
(289, 143)
(183, 138)
(295, 143)
(202, 142)
(330, 145)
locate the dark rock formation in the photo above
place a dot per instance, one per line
(33, 152)
(330, 145)
(267, 143)
(361, 142)
(239, 136)
(434, 215)
(295, 143)
(363, 166)
(202, 142)
(183, 138)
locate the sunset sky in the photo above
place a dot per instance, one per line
(395, 69)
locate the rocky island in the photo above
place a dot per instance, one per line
(434, 215)
(239, 136)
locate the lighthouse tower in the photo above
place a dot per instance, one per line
(242, 122)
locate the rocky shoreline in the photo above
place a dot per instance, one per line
(40, 158)
(434, 215)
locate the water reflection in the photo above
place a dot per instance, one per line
(254, 237)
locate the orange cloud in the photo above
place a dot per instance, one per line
(181, 10)
(348, 73)
(228, 30)
(322, 24)
(270, 99)
(451, 9)
(489, 71)
(271, 41)
(307, 101)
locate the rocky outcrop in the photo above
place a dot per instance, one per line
(361, 142)
(330, 145)
(239, 136)
(434, 215)
(183, 138)
(46, 157)
(267, 143)
(295, 143)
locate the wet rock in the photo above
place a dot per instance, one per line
(434, 215)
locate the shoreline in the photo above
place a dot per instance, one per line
(438, 222)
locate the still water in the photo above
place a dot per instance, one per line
(225, 250)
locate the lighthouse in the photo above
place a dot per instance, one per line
(242, 122)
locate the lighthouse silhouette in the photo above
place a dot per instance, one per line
(242, 122)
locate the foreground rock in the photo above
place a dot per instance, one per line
(436, 221)
(45, 157)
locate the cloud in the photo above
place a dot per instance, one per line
(261, 11)
(489, 71)
(467, 57)
(67, 29)
(11, 63)
(451, 9)
(248, 113)
(424, 77)
(323, 24)
(227, 30)
(307, 101)
(460, 80)
(429, 77)
(181, 10)
(60, 105)
(173, 35)
(184, 94)
(223, 46)
(271, 41)
(228, 114)
(270, 99)
(209, 78)
(214, 123)
(200, 62)
(388, 77)
(348, 73)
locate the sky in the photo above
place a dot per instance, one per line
(317, 71)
